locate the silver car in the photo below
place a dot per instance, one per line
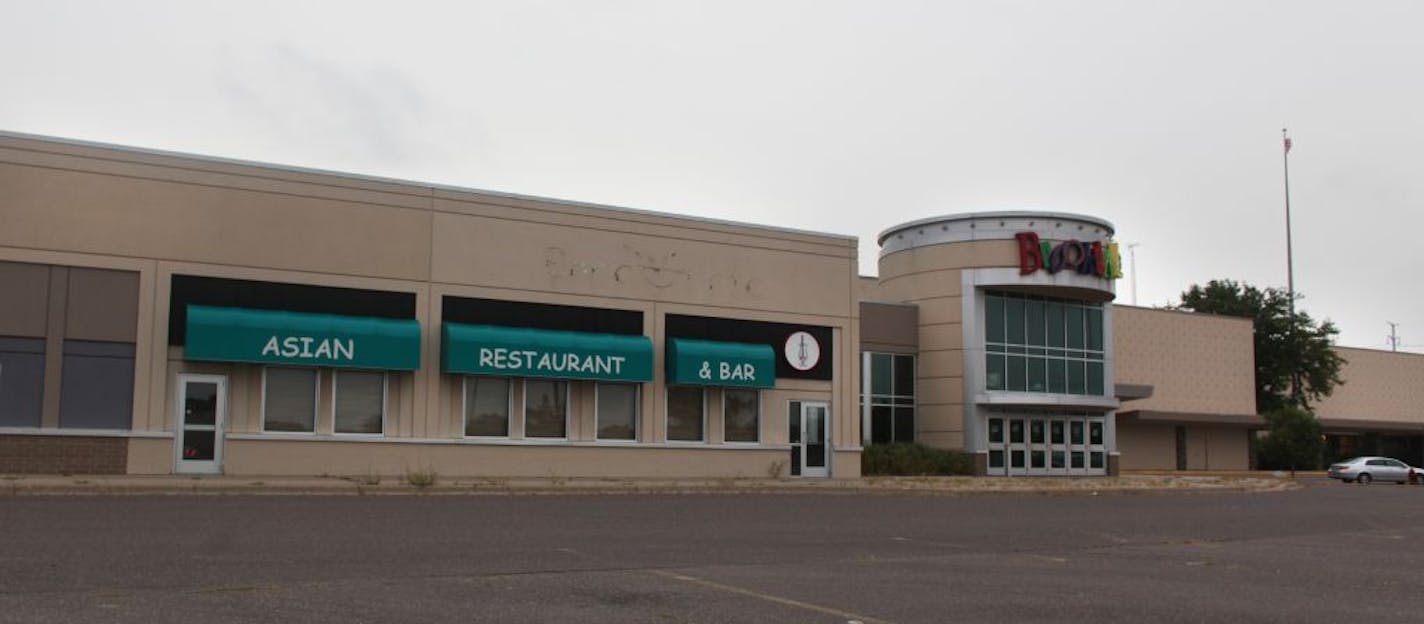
(1368, 469)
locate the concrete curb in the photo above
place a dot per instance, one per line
(56, 485)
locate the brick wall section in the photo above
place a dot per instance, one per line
(29, 454)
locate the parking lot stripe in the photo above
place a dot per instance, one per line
(769, 598)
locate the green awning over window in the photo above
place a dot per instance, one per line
(708, 363)
(280, 337)
(522, 352)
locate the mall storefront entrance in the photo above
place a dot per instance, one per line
(1050, 444)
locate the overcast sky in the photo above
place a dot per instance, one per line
(847, 117)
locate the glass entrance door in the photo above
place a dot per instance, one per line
(202, 403)
(810, 439)
(1046, 444)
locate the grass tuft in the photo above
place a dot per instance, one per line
(421, 478)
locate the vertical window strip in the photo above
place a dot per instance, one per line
(891, 414)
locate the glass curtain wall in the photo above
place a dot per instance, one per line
(888, 408)
(1043, 345)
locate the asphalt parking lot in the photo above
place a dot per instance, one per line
(1324, 553)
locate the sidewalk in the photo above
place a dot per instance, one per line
(21, 485)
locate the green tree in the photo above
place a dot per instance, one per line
(1292, 441)
(1300, 351)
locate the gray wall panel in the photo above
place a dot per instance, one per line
(103, 305)
(24, 299)
(887, 324)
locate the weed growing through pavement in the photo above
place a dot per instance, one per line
(421, 478)
(776, 469)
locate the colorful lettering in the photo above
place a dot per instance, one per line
(1030, 254)
(1098, 258)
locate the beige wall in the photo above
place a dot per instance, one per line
(1195, 363)
(159, 215)
(620, 258)
(89, 200)
(867, 288)
(1153, 446)
(1381, 387)
(1145, 446)
(458, 459)
(1225, 448)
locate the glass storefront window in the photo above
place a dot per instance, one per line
(882, 374)
(740, 415)
(685, 407)
(546, 408)
(882, 424)
(289, 399)
(617, 411)
(487, 407)
(360, 402)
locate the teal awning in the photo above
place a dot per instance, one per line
(522, 352)
(280, 337)
(708, 363)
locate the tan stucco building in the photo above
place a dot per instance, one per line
(1379, 410)
(1201, 410)
(392, 326)
(165, 313)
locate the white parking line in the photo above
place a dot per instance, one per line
(770, 598)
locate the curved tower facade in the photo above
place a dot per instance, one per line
(1015, 336)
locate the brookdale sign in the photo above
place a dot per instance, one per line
(1084, 258)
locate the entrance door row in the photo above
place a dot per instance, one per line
(1046, 444)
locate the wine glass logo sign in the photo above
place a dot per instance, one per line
(802, 351)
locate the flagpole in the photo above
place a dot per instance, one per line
(1290, 260)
